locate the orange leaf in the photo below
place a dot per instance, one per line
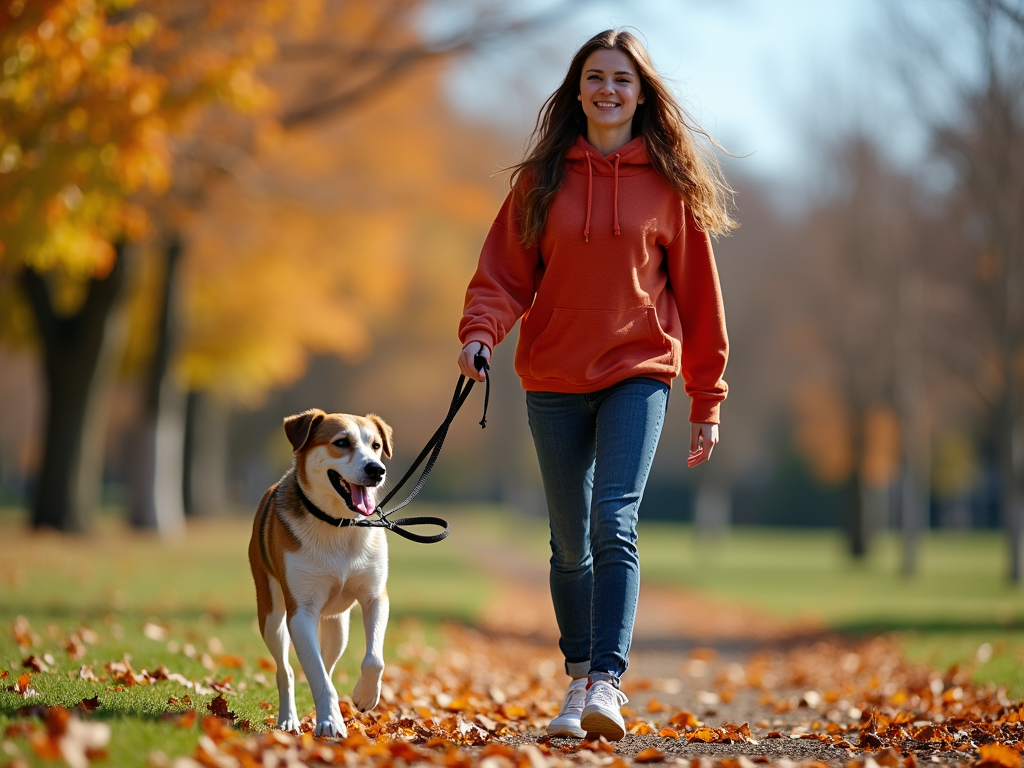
(219, 707)
(997, 756)
(705, 734)
(641, 729)
(684, 720)
(668, 733)
(655, 706)
(650, 755)
(601, 745)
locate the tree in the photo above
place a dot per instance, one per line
(977, 132)
(101, 112)
(79, 135)
(378, 46)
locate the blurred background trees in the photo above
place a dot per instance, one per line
(216, 214)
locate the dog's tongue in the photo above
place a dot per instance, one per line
(360, 499)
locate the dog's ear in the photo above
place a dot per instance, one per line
(300, 426)
(385, 432)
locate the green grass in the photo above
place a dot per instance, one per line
(199, 589)
(961, 581)
(959, 600)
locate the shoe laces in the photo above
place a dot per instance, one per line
(575, 697)
(606, 696)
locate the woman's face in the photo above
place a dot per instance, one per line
(609, 89)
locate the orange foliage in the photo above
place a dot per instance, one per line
(823, 431)
(355, 231)
(92, 98)
(882, 448)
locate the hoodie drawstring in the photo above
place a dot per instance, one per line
(615, 197)
(590, 197)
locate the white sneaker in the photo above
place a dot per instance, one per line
(601, 716)
(568, 721)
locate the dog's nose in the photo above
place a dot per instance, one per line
(374, 471)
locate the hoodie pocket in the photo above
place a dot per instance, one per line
(583, 346)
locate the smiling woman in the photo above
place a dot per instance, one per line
(609, 93)
(603, 249)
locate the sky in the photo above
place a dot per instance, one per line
(768, 78)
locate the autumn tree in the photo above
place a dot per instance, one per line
(80, 134)
(977, 132)
(333, 60)
(101, 113)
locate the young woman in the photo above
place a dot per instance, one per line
(603, 249)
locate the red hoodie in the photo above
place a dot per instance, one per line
(621, 284)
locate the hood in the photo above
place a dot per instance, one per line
(628, 160)
(630, 155)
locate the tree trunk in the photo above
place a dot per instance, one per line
(206, 456)
(860, 526)
(75, 352)
(911, 396)
(156, 499)
(1011, 466)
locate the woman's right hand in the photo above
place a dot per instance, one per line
(469, 352)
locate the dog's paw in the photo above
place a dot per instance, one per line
(366, 694)
(289, 723)
(332, 728)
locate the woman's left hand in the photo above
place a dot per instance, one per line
(703, 439)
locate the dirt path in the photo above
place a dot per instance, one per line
(766, 689)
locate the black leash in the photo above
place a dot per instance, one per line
(432, 449)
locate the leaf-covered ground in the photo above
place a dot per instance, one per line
(142, 681)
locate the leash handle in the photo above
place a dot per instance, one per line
(481, 364)
(397, 526)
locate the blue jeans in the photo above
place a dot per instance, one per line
(595, 452)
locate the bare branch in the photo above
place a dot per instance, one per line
(1014, 14)
(396, 62)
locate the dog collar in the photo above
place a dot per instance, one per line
(319, 514)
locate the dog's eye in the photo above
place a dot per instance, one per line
(342, 443)
(376, 446)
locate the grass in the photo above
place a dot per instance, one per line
(198, 593)
(198, 590)
(958, 602)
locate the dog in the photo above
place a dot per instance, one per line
(309, 573)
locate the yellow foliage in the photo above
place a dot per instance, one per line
(823, 431)
(360, 232)
(882, 447)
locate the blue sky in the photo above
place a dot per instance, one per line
(769, 78)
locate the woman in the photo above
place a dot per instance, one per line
(603, 248)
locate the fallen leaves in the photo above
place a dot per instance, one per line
(481, 703)
(65, 737)
(21, 686)
(997, 756)
(650, 755)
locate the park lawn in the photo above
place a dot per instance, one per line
(190, 606)
(958, 604)
(959, 601)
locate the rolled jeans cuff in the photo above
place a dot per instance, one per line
(577, 669)
(608, 677)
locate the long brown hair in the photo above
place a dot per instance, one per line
(686, 162)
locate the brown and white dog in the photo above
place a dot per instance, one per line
(309, 573)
